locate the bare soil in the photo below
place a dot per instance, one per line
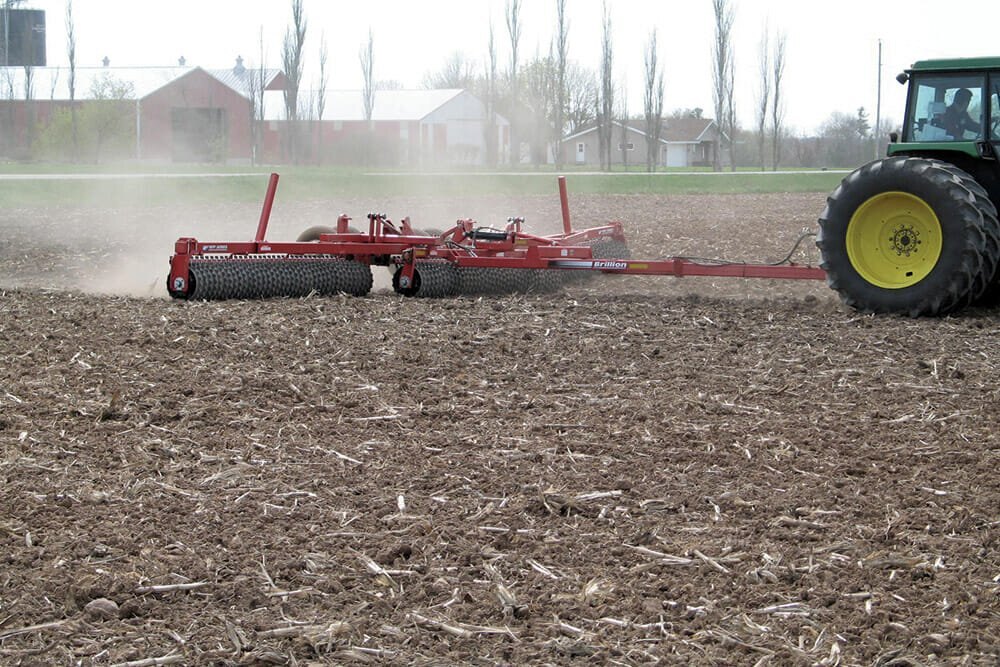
(691, 471)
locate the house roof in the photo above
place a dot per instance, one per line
(394, 105)
(686, 130)
(674, 130)
(52, 83)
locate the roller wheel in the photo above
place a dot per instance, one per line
(212, 280)
(431, 279)
(544, 281)
(903, 235)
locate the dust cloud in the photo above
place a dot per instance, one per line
(116, 238)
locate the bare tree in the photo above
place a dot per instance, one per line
(107, 118)
(653, 104)
(291, 58)
(255, 82)
(250, 85)
(562, 34)
(324, 78)
(71, 52)
(491, 103)
(457, 72)
(730, 124)
(777, 104)
(54, 83)
(29, 83)
(513, 17)
(607, 99)
(367, 58)
(763, 94)
(581, 92)
(7, 136)
(722, 73)
(539, 99)
(623, 115)
(29, 105)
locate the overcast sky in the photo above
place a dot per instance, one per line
(831, 46)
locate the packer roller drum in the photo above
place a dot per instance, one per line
(252, 278)
(496, 281)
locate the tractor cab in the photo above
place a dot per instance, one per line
(953, 114)
(946, 108)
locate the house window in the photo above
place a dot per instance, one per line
(580, 147)
(626, 147)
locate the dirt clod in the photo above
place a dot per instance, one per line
(101, 609)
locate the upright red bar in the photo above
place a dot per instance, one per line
(564, 201)
(265, 214)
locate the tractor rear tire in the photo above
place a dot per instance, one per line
(988, 283)
(986, 290)
(904, 235)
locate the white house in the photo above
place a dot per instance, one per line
(683, 142)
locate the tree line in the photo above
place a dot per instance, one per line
(544, 98)
(547, 97)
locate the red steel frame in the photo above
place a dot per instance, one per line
(464, 245)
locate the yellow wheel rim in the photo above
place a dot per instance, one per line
(894, 240)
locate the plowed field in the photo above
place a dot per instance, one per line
(692, 471)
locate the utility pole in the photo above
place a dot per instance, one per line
(878, 103)
(6, 32)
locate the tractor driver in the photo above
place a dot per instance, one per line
(956, 118)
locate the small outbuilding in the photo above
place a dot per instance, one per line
(683, 142)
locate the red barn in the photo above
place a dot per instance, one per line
(180, 114)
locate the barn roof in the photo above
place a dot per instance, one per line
(390, 105)
(52, 83)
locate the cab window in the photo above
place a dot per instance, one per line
(946, 108)
(995, 107)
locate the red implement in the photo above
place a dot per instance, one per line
(466, 258)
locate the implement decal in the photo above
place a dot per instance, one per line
(600, 264)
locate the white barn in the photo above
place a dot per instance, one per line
(407, 127)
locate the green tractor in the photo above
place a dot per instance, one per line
(916, 232)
